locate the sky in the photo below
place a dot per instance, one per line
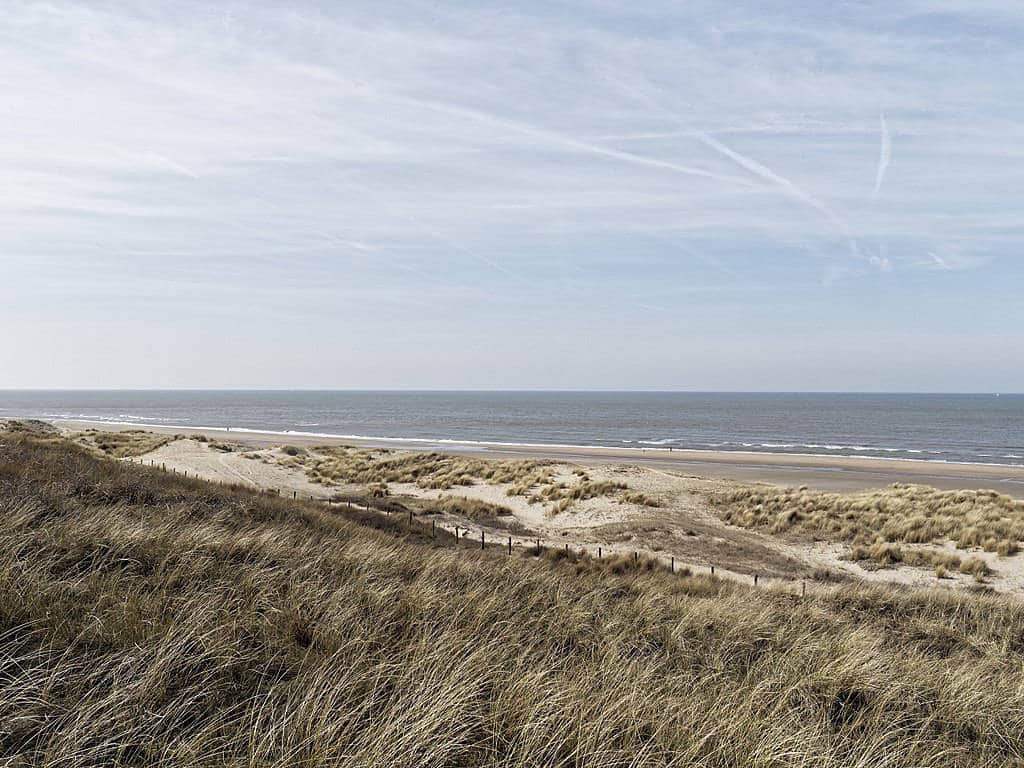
(517, 195)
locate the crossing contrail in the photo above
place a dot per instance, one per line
(785, 185)
(759, 170)
(526, 129)
(553, 137)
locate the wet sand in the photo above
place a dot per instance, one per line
(820, 472)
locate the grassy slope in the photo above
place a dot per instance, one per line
(147, 619)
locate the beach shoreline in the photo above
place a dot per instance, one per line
(817, 471)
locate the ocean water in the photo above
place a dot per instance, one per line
(972, 428)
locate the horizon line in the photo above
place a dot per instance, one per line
(522, 390)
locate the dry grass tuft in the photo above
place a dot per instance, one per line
(481, 512)
(640, 499)
(471, 509)
(976, 567)
(886, 553)
(147, 620)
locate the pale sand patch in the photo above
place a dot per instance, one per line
(200, 460)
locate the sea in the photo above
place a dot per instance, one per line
(981, 428)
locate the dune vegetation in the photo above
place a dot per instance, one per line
(876, 521)
(480, 512)
(147, 619)
(119, 444)
(125, 443)
(433, 471)
(29, 426)
(534, 479)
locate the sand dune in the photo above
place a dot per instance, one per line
(686, 525)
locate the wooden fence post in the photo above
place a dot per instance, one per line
(636, 557)
(510, 545)
(295, 495)
(598, 553)
(755, 579)
(481, 539)
(433, 529)
(712, 570)
(456, 535)
(673, 566)
(410, 517)
(803, 588)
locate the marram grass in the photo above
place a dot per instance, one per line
(146, 619)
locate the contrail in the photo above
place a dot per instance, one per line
(755, 168)
(437, 235)
(785, 184)
(884, 155)
(709, 259)
(166, 162)
(525, 129)
(566, 141)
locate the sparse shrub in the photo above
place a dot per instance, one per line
(976, 567)
(1007, 547)
(885, 553)
(471, 509)
(931, 557)
(640, 499)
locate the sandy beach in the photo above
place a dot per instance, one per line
(830, 473)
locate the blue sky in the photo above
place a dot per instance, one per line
(593, 195)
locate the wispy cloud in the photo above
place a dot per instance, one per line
(498, 158)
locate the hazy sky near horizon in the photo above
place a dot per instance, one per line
(596, 195)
